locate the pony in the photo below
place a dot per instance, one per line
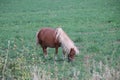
(55, 38)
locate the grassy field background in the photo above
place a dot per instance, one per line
(94, 26)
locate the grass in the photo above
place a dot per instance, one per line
(93, 26)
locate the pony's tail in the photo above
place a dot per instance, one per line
(37, 40)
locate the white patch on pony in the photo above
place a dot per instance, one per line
(66, 42)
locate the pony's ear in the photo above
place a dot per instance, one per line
(76, 50)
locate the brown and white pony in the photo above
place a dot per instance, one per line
(55, 38)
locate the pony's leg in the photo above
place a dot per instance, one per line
(64, 55)
(45, 51)
(56, 51)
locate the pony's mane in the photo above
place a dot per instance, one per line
(66, 42)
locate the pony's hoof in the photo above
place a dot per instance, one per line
(45, 56)
(55, 58)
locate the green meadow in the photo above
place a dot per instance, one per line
(93, 25)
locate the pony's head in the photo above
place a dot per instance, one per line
(71, 55)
